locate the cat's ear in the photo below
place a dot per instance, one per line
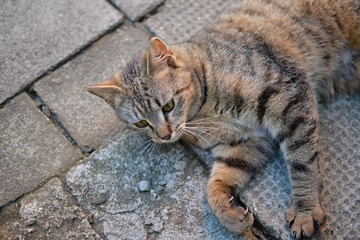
(158, 56)
(109, 89)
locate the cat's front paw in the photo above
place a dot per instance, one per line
(302, 222)
(231, 215)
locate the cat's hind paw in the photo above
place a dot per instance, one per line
(302, 223)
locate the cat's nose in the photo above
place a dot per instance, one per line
(166, 137)
(164, 133)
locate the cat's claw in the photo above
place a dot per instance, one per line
(246, 211)
(302, 223)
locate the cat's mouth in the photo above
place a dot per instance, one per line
(175, 136)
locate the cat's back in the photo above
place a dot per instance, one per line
(309, 35)
(291, 27)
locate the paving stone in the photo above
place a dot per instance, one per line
(53, 215)
(136, 9)
(340, 168)
(179, 20)
(88, 118)
(37, 35)
(31, 149)
(175, 206)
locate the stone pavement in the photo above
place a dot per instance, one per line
(70, 170)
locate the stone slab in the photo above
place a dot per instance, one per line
(36, 35)
(107, 186)
(88, 118)
(31, 149)
(179, 20)
(48, 213)
(137, 9)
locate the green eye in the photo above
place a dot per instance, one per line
(169, 106)
(141, 124)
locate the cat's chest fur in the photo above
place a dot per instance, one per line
(207, 131)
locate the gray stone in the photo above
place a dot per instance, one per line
(179, 209)
(37, 35)
(179, 20)
(56, 214)
(144, 186)
(136, 9)
(30, 221)
(31, 149)
(88, 118)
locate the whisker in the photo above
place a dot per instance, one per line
(141, 145)
(193, 133)
(194, 123)
(194, 129)
(147, 146)
(200, 119)
(213, 128)
(151, 149)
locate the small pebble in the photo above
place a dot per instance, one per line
(30, 221)
(153, 195)
(90, 218)
(162, 183)
(144, 186)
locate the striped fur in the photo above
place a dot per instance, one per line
(248, 83)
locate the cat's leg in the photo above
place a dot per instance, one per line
(296, 130)
(233, 167)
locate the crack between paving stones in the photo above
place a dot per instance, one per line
(159, 8)
(72, 55)
(75, 201)
(118, 212)
(52, 116)
(139, 22)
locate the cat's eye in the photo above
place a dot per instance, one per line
(141, 124)
(169, 106)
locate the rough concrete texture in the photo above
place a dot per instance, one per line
(31, 149)
(106, 185)
(137, 9)
(48, 213)
(88, 118)
(36, 35)
(341, 167)
(175, 205)
(179, 20)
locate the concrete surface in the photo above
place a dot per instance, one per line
(137, 9)
(125, 190)
(49, 213)
(31, 149)
(90, 121)
(179, 20)
(107, 186)
(38, 35)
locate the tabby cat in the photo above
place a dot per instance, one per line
(244, 86)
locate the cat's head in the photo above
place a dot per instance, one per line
(154, 93)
